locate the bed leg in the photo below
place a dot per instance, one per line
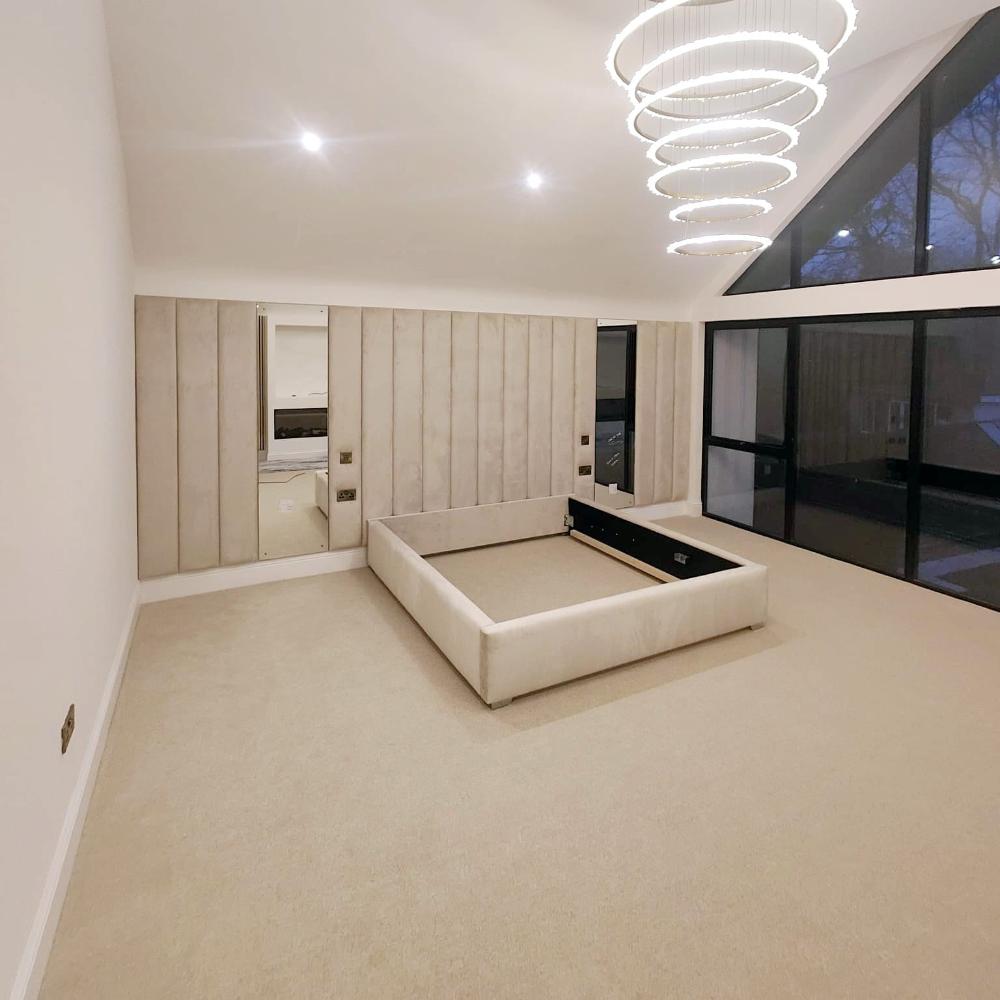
(500, 704)
(759, 625)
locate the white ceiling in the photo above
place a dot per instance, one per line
(433, 112)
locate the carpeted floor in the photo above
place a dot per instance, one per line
(302, 799)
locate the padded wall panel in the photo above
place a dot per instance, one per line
(683, 375)
(585, 404)
(645, 412)
(491, 408)
(464, 409)
(156, 434)
(515, 407)
(539, 406)
(663, 455)
(563, 380)
(237, 432)
(376, 412)
(198, 433)
(408, 403)
(344, 425)
(437, 411)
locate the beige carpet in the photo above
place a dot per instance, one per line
(540, 574)
(302, 799)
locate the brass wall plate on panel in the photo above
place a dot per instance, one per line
(585, 470)
(69, 724)
(344, 495)
(346, 457)
(584, 439)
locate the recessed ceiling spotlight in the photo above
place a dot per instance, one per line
(930, 246)
(311, 142)
(844, 233)
(534, 180)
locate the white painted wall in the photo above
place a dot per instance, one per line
(67, 489)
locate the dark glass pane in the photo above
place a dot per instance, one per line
(748, 384)
(853, 440)
(748, 489)
(965, 154)
(960, 494)
(613, 439)
(863, 223)
(771, 270)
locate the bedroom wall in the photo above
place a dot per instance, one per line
(67, 491)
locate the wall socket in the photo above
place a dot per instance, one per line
(585, 470)
(343, 495)
(69, 724)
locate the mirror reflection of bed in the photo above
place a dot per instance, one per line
(292, 476)
(615, 417)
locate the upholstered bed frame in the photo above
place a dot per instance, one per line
(706, 593)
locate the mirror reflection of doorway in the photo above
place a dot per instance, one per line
(615, 424)
(292, 474)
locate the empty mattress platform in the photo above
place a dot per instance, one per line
(516, 608)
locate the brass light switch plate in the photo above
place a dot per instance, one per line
(346, 457)
(585, 470)
(585, 439)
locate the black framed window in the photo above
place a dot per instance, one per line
(614, 443)
(921, 196)
(873, 439)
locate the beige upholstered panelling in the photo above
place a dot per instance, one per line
(196, 441)
(464, 409)
(198, 433)
(344, 425)
(662, 411)
(586, 405)
(460, 409)
(540, 406)
(376, 412)
(437, 411)
(490, 453)
(515, 407)
(156, 434)
(237, 432)
(563, 399)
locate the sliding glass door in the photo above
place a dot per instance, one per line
(959, 538)
(871, 439)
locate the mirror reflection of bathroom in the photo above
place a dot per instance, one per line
(292, 475)
(615, 437)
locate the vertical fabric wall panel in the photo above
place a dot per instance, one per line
(198, 433)
(464, 409)
(586, 404)
(376, 413)
(437, 411)
(515, 408)
(237, 432)
(645, 412)
(491, 408)
(344, 425)
(563, 381)
(663, 457)
(156, 434)
(407, 426)
(539, 406)
(683, 376)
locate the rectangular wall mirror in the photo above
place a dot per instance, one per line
(293, 483)
(615, 440)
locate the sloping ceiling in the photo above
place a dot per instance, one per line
(433, 113)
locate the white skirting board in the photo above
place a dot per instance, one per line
(36, 951)
(207, 581)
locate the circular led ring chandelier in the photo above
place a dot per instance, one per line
(771, 126)
(687, 213)
(730, 109)
(685, 247)
(821, 61)
(847, 7)
(724, 161)
(646, 105)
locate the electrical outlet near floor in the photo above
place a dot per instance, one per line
(69, 724)
(343, 495)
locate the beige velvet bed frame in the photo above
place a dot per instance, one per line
(502, 660)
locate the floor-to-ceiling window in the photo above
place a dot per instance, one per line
(873, 439)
